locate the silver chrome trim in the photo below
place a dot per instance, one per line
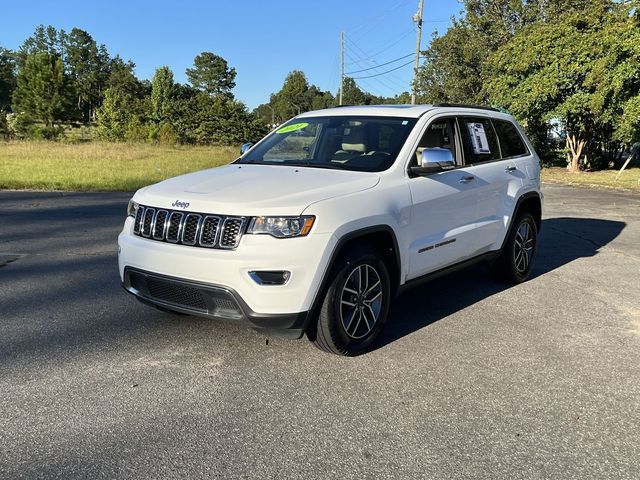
(144, 220)
(164, 227)
(181, 217)
(216, 234)
(254, 274)
(179, 233)
(184, 224)
(137, 225)
(243, 222)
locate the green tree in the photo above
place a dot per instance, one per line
(352, 94)
(7, 79)
(451, 68)
(202, 119)
(41, 88)
(319, 99)
(88, 67)
(296, 96)
(582, 69)
(44, 40)
(293, 98)
(212, 75)
(123, 112)
(161, 92)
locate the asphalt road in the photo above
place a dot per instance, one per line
(473, 378)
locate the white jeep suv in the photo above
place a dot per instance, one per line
(316, 228)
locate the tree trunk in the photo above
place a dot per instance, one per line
(574, 152)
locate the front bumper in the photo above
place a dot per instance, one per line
(206, 300)
(217, 270)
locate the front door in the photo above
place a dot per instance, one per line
(443, 211)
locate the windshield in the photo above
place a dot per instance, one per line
(369, 144)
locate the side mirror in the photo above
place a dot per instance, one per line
(245, 146)
(433, 160)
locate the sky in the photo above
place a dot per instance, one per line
(263, 40)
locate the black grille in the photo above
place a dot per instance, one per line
(189, 228)
(176, 294)
(158, 227)
(148, 220)
(173, 229)
(138, 220)
(205, 300)
(231, 233)
(209, 231)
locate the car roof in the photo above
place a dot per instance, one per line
(405, 111)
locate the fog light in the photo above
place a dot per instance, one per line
(270, 277)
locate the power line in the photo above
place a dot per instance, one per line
(380, 65)
(401, 84)
(392, 44)
(381, 84)
(384, 73)
(367, 25)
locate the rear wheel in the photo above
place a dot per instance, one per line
(516, 260)
(356, 304)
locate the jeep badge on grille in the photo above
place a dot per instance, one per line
(180, 204)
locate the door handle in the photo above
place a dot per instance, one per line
(467, 179)
(510, 168)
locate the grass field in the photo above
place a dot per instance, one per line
(629, 179)
(100, 166)
(126, 167)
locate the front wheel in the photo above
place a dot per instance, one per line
(516, 260)
(355, 306)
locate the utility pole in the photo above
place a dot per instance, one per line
(341, 65)
(418, 19)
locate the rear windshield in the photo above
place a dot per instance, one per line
(369, 144)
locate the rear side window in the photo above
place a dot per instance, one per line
(479, 138)
(511, 142)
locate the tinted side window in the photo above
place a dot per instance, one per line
(440, 134)
(480, 143)
(511, 142)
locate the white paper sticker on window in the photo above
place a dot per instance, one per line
(478, 138)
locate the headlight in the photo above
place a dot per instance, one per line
(281, 227)
(132, 209)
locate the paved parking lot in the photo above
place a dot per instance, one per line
(473, 378)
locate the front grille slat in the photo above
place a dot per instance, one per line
(189, 228)
(174, 227)
(209, 231)
(160, 224)
(147, 222)
(138, 220)
(231, 232)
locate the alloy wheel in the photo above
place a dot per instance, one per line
(523, 247)
(361, 301)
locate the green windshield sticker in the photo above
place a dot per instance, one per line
(292, 128)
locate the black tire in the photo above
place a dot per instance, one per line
(340, 332)
(514, 264)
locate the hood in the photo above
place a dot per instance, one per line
(254, 189)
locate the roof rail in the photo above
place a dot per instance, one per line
(463, 105)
